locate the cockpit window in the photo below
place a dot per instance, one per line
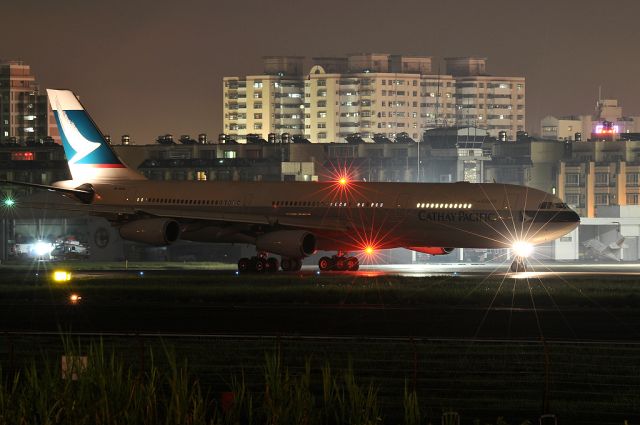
(552, 205)
(546, 206)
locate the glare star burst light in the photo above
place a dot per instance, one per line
(522, 249)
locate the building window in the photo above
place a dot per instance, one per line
(602, 199)
(257, 84)
(257, 105)
(257, 116)
(230, 154)
(572, 179)
(573, 199)
(633, 179)
(322, 104)
(22, 156)
(632, 198)
(602, 179)
(322, 114)
(257, 126)
(322, 83)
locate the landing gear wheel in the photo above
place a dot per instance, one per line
(296, 264)
(272, 265)
(243, 265)
(325, 264)
(341, 264)
(518, 265)
(285, 264)
(353, 264)
(259, 265)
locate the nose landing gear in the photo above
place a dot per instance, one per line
(339, 262)
(518, 265)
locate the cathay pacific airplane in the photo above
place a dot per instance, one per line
(295, 219)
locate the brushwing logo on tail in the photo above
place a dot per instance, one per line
(78, 135)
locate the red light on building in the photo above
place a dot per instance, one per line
(22, 156)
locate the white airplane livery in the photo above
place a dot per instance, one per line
(295, 219)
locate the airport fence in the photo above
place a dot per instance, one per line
(579, 382)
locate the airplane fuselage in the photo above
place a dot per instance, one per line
(346, 217)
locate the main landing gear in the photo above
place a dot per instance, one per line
(261, 263)
(339, 262)
(518, 265)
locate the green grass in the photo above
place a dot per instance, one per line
(252, 381)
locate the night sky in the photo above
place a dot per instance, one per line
(153, 67)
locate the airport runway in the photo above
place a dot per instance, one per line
(540, 316)
(568, 271)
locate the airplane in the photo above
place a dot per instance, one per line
(296, 219)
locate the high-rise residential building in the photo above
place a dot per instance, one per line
(494, 103)
(375, 94)
(269, 103)
(371, 94)
(25, 115)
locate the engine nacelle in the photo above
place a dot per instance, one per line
(432, 250)
(288, 243)
(154, 231)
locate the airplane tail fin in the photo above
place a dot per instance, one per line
(90, 157)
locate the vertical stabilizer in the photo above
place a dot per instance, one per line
(90, 157)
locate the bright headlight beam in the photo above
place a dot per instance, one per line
(42, 248)
(522, 249)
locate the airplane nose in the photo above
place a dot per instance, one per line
(574, 217)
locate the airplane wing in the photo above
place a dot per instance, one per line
(84, 194)
(215, 217)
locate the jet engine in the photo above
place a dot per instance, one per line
(288, 243)
(432, 250)
(154, 231)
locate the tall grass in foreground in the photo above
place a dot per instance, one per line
(102, 389)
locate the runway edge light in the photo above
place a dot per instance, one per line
(61, 276)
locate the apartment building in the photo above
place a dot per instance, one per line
(371, 94)
(494, 103)
(25, 115)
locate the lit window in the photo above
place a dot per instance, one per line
(22, 156)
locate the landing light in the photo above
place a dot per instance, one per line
(522, 248)
(42, 248)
